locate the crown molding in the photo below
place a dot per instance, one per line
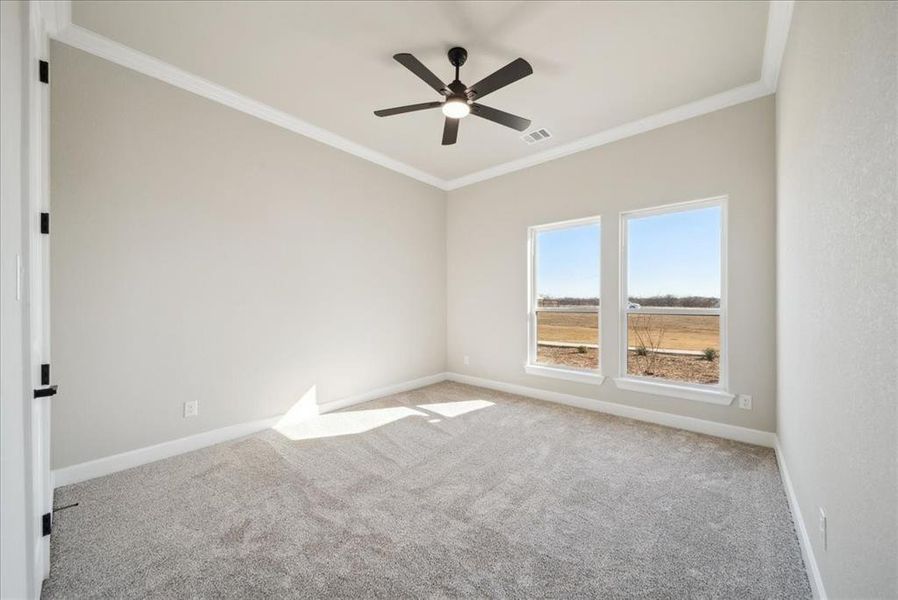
(57, 15)
(779, 20)
(88, 41)
(704, 106)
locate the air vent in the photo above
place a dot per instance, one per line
(536, 136)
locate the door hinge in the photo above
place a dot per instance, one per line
(45, 374)
(45, 222)
(44, 71)
(47, 524)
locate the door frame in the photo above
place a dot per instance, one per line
(41, 15)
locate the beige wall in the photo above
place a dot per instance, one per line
(725, 152)
(199, 253)
(837, 260)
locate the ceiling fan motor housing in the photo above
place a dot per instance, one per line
(458, 56)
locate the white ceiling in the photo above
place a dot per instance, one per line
(597, 65)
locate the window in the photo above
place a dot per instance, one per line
(564, 300)
(673, 299)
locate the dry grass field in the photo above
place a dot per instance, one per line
(681, 332)
(574, 328)
(588, 358)
(691, 369)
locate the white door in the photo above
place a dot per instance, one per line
(38, 265)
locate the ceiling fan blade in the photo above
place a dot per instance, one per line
(450, 131)
(387, 112)
(516, 69)
(500, 116)
(417, 67)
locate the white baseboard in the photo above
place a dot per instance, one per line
(807, 551)
(381, 392)
(141, 456)
(148, 454)
(732, 432)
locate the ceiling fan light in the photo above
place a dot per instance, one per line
(456, 108)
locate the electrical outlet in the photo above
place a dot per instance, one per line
(191, 409)
(822, 525)
(467, 359)
(744, 401)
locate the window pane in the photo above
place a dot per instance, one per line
(566, 274)
(567, 269)
(567, 338)
(674, 259)
(677, 347)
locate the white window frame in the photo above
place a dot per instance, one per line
(592, 376)
(712, 393)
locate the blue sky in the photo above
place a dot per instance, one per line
(677, 253)
(569, 262)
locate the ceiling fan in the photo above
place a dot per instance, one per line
(460, 101)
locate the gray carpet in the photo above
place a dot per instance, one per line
(503, 498)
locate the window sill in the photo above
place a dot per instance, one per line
(709, 395)
(591, 377)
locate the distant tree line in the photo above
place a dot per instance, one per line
(681, 301)
(551, 301)
(666, 300)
